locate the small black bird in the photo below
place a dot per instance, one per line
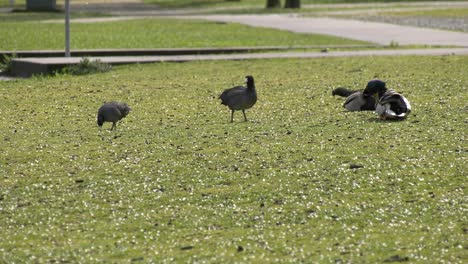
(355, 100)
(240, 97)
(112, 112)
(390, 104)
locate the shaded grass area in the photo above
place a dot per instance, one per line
(23, 16)
(178, 183)
(6, 3)
(153, 33)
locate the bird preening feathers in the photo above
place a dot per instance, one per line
(112, 112)
(388, 104)
(359, 102)
(240, 97)
(355, 100)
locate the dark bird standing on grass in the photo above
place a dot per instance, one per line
(112, 112)
(390, 104)
(240, 97)
(355, 100)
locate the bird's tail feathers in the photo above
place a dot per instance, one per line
(344, 92)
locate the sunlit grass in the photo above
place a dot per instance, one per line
(153, 33)
(178, 183)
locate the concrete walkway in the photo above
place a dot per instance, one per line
(373, 32)
(139, 8)
(379, 33)
(25, 67)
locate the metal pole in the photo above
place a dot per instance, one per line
(12, 3)
(67, 28)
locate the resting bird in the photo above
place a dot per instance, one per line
(112, 112)
(390, 104)
(240, 97)
(355, 100)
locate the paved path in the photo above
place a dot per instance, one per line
(139, 8)
(25, 67)
(268, 55)
(374, 32)
(380, 33)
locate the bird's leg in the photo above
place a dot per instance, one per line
(113, 126)
(232, 116)
(245, 117)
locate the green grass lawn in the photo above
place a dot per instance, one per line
(152, 33)
(178, 183)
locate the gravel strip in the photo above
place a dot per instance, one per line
(445, 23)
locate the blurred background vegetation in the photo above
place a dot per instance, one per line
(207, 3)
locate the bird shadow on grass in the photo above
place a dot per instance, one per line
(109, 135)
(240, 122)
(379, 120)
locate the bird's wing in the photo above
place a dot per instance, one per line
(354, 102)
(380, 109)
(389, 96)
(395, 104)
(392, 97)
(406, 102)
(232, 92)
(343, 92)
